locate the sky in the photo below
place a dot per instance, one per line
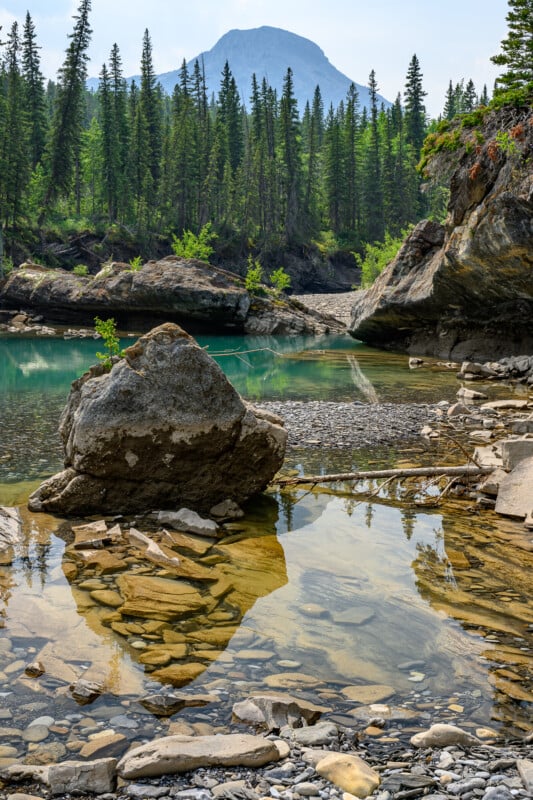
(453, 39)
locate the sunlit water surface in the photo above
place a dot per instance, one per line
(314, 592)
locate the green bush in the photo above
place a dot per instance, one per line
(136, 264)
(191, 245)
(254, 275)
(81, 270)
(108, 331)
(376, 256)
(6, 266)
(280, 280)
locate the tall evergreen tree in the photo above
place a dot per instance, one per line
(14, 155)
(35, 103)
(517, 48)
(373, 194)
(151, 109)
(230, 115)
(290, 158)
(67, 121)
(415, 111)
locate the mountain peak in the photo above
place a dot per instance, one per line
(269, 52)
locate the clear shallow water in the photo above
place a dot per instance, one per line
(434, 605)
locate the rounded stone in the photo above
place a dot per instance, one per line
(35, 733)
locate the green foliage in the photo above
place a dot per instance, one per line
(280, 280)
(376, 256)
(136, 264)
(254, 275)
(6, 266)
(191, 245)
(108, 331)
(326, 243)
(506, 143)
(81, 269)
(517, 49)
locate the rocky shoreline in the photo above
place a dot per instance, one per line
(323, 424)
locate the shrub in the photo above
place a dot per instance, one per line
(376, 256)
(280, 280)
(254, 275)
(6, 266)
(108, 331)
(191, 245)
(136, 264)
(81, 270)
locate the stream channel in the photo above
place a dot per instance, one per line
(341, 602)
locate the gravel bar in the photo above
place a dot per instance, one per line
(349, 425)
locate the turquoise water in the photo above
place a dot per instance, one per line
(352, 591)
(36, 373)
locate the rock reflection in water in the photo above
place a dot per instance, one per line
(176, 620)
(481, 576)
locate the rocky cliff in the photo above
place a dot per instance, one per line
(186, 291)
(465, 289)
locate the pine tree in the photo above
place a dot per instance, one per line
(67, 122)
(109, 144)
(373, 194)
(151, 109)
(415, 111)
(290, 160)
(517, 48)
(230, 115)
(14, 151)
(352, 156)
(119, 95)
(35, 103)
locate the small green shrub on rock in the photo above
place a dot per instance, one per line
(280, 280)
(191, 245)
(81, 270)
(254, 276)
(108, 331)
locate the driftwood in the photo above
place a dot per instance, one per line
(466, 470)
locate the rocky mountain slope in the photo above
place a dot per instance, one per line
(267, 52)
(465, 289)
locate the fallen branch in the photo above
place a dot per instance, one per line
(407, 472)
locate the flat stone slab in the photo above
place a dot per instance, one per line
(173, 754)
(515, 495)
(514, 451)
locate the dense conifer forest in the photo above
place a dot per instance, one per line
(267, 177)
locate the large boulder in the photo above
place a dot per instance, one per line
(465, 290)
(163, 429)
(185, 291)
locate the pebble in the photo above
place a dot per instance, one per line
(348, 425)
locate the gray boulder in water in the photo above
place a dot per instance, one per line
(163, 429)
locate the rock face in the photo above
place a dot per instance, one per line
(163, 429)
(465, 290)
(185, 291)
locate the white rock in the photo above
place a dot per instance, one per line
(442, 735)
(179, 753)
